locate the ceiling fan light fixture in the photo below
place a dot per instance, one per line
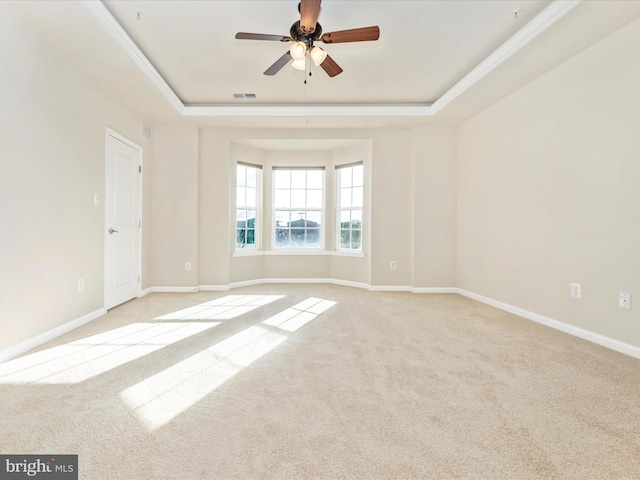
(299, 64)
(302, 35)
(318, 55)
(298, 50)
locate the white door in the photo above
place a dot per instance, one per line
(122, 220)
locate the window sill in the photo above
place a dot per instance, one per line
(285, 252)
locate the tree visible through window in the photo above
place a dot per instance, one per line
(246, 206)
(350, 205)
(297, 207)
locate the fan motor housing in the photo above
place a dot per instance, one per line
(299, 36)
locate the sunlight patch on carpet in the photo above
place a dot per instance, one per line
(224, 308)
(88, 357)
(162, 397)
(299, 315)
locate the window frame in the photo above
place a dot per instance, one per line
(321, 246)
(257, 230)
(339, 209)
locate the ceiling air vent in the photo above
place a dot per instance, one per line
(242, 96)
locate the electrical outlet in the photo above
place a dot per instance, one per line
(575, 290)
(624, 300)
(392, 265)
(187, 265)
(81, 285)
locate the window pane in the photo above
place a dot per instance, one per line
(314, 179)
(345, 238)
(282, 178)
(314, 218)
(356, 218)
(252, 177)
(251, 237)
(297, 219)
(297, 237)
(241, 218)
(358, 176)
(313, 237)
(282, 198)
(240, 238)
(345, 197)
(298, 199)
(282, 237)
(241, 173)
(240, 197)
(251, 219)
(357, 197)
(282, 218)
(298, 179)
(345, 177)
(252, 196)
(345, 218)
(314, 198)
(356, 239)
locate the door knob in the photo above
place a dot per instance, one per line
(111, 231)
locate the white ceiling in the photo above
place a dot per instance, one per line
(424, 47)
(426, 51)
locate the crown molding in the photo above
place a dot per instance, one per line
(538, 24)
(541, 22)
(115, 31)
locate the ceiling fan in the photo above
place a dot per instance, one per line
(304, 33)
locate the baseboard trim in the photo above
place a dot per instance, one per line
(273, 280)
(174, 289)
(213, 288)
(349, 283)
(34, 342)
(389, 288)
(331, 281)
(276, 280)
(593, 337)
(434, 290)
(145, 292)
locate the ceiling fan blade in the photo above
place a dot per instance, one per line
(281, 62)
(364, 34)
(331, 67)
(262, 36)
(309, 11)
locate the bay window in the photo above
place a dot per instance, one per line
(306, 210)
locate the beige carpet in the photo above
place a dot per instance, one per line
(276, 381)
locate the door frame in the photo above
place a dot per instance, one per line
(112, 133)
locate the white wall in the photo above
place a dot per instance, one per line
(174, 201)
(435, 207)
(215, 174)
(549, 192)
(52, 161)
